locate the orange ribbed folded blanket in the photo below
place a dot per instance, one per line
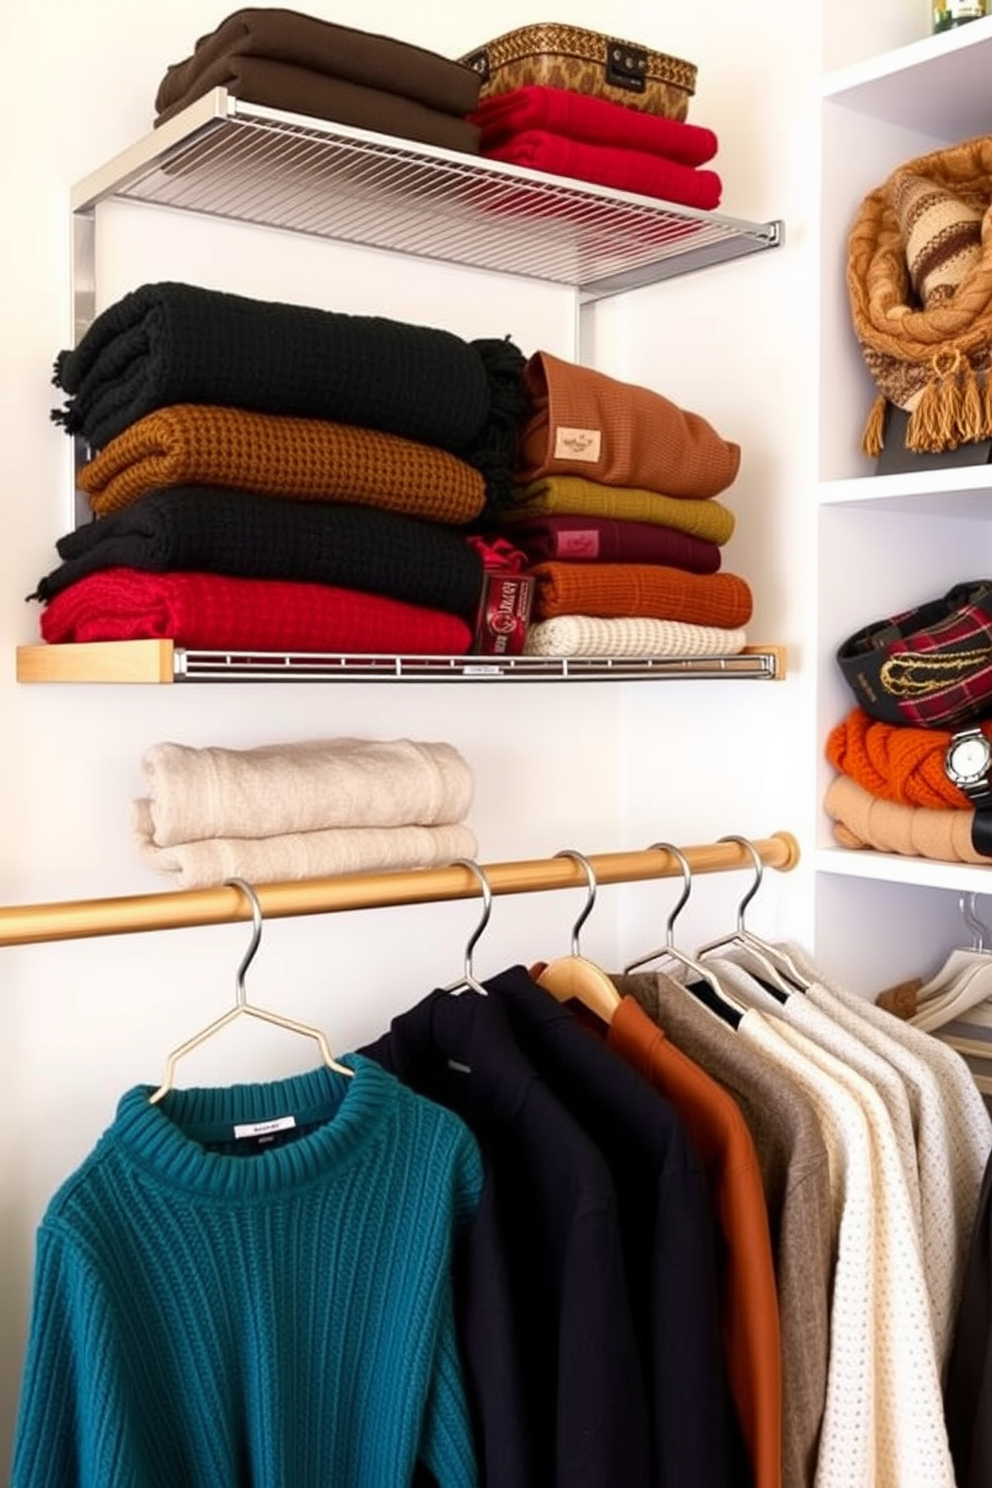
(302, 459)
(896, 762)
(571, 495)
(618, 589)
(585, 423)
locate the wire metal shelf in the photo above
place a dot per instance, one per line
(224, 158)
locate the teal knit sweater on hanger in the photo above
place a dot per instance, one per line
(215, 1309)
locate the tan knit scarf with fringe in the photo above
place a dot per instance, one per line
(919, 279)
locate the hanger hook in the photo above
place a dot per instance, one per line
(587, 868)
(256, 936)
(683, 863)
(759, 873)
(980, 933)
(487, 904)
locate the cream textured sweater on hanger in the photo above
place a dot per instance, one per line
(898, 1378)
(959, 1138)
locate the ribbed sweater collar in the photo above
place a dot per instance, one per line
(167, 1139)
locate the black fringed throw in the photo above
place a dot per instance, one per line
(178, 343)
(208, 530)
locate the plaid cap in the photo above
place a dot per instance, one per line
(930, 666)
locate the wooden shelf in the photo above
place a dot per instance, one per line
(160, 661)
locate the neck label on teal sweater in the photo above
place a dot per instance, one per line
(264, 1128)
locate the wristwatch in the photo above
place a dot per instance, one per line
(968, 764)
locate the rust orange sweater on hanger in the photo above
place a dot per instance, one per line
(749, 1299)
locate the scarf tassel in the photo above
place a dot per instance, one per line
(954, 409)
(873, 437)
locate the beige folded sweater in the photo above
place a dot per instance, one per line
(305, 786)
(589, 635)
(295, 855)
(863, 820)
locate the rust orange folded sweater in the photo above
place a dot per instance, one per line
(585, 423)
(303, 459)
(640, 589)
(896, 762)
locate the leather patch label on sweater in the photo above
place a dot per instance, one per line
(577, 444)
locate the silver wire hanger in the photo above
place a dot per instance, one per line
(575, 976)
(770, 964)
(729, 1003)
(468, 982)
(243, 1008)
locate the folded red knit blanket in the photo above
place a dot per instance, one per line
(621, 169)
(214, 613)
(618, 589)
(577, 539)
(598, 121)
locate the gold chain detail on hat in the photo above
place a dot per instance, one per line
(916, 673)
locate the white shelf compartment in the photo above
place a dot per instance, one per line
(898, 868)
(965, 491)
(225, 158)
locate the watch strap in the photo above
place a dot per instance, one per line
(981, 826)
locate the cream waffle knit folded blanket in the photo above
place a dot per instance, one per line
(300, 787)
(293, 855)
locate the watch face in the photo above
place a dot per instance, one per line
(969, 758)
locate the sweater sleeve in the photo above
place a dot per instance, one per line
(446, 1442)
(65, 1434)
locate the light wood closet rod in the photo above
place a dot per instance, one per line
(32, 924)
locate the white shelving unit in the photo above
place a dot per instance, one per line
(247, 164)
(884, 543)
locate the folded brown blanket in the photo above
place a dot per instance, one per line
(605, 540)
(277, 455)
(298, 90)
(863, 820)
(585, 423)
(358, 56)
(618, 589)
(572, 495)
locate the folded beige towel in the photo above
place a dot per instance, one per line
(588, 635)
(863, 820)
(280, 789)
(293, 855)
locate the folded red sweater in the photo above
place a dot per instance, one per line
(211, 612)
(607, 165)
(599, 121)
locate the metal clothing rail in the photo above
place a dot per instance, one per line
(33, 924)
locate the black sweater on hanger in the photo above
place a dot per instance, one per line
(544, 1310)
(667, 1232)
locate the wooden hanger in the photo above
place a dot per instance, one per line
(243, 1008)
(574, 977)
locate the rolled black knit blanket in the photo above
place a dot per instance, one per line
(208, 530)
(179, 343)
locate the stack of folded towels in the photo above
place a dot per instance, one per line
(308, 809)
(615, 509)
(286, 60)
(273, 477)
(594, 139)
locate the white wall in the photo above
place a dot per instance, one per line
(590, 766)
